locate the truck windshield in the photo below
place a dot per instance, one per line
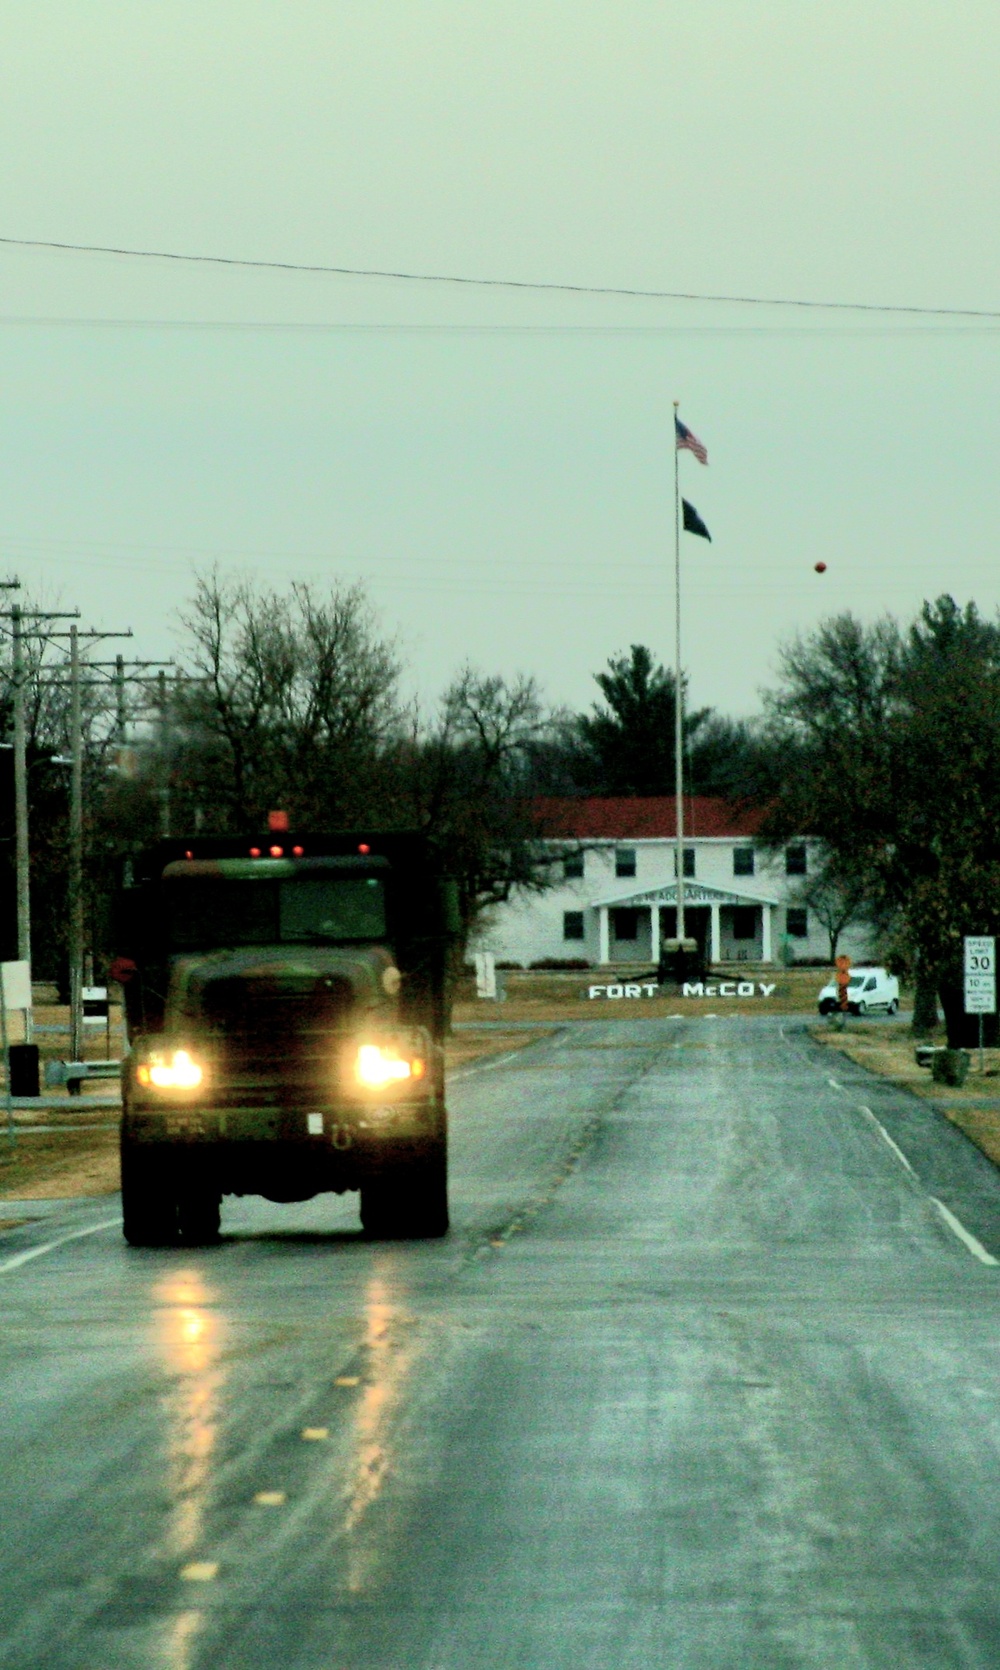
(204, 915)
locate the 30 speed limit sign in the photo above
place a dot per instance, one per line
(980, 974)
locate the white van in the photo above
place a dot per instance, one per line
(867, 988)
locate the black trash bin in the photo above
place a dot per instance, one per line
(23, 1065)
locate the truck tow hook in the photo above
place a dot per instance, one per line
(341, 1137)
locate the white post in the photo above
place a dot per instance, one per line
(603, 940)
(714, 917)
(765, 919)
(654, 933)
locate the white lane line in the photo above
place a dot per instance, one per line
(975, 1247)
(50, 1246)
(883, 1133)
(968, 1241)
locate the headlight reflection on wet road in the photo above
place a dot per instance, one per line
(373, 1445)
(187, 1333)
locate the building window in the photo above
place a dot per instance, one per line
(795, 861)
(745, 922)
(624, 861)
(797, 923)
(625, 924)
(688, 861)
(573, 866)
(572, 924)
(743, 861)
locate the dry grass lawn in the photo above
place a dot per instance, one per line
(59, 1165)
(537, 995)
(68, 1164)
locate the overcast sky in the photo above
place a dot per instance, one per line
(497, 467)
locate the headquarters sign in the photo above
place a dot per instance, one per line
(690, 988)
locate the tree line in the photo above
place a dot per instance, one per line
(883, 741)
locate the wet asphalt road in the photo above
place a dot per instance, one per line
(704, 1377)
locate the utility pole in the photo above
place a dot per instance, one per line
(17, 617)
(680, 930)
(76, 933)
(121, 678)
(161, 685)
(20, 787)
(120, 712)
(75, 853)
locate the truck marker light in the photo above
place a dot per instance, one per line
(276, 852)
(364, 847)
(377, 1066)
(179, 1073)
(255, 852)
(297, 852)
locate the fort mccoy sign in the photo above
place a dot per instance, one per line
(690, 988)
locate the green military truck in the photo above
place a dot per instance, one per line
(285, 1008)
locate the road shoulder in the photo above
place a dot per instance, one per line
(946, 1160)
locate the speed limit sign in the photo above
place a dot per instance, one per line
(980, 974)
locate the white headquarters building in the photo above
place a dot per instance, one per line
(617, 895)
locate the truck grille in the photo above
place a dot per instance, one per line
(272, 1045)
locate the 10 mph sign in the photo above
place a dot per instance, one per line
(980, 974)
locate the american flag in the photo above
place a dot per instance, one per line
(686, 439)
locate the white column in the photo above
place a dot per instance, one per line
(715, 954)
(765, 917)
(603, 942)
(654, 933)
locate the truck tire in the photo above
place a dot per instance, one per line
(428, 1199)
(408, 1202)
(149, 1210)
(198, 1214)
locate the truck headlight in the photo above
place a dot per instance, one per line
(176, 1070)
(380, 1064)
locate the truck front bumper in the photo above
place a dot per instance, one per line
(336, 1129)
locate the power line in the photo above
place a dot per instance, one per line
(978, 325)
(466, 281)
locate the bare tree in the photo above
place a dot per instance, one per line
(836, 898)
(466, 779)
(293, 700)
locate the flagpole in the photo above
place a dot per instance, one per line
(678, 700)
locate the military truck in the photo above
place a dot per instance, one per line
(285, 1009)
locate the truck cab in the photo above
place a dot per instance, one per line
(285, 1009)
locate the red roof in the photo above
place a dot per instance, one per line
(642, 818)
